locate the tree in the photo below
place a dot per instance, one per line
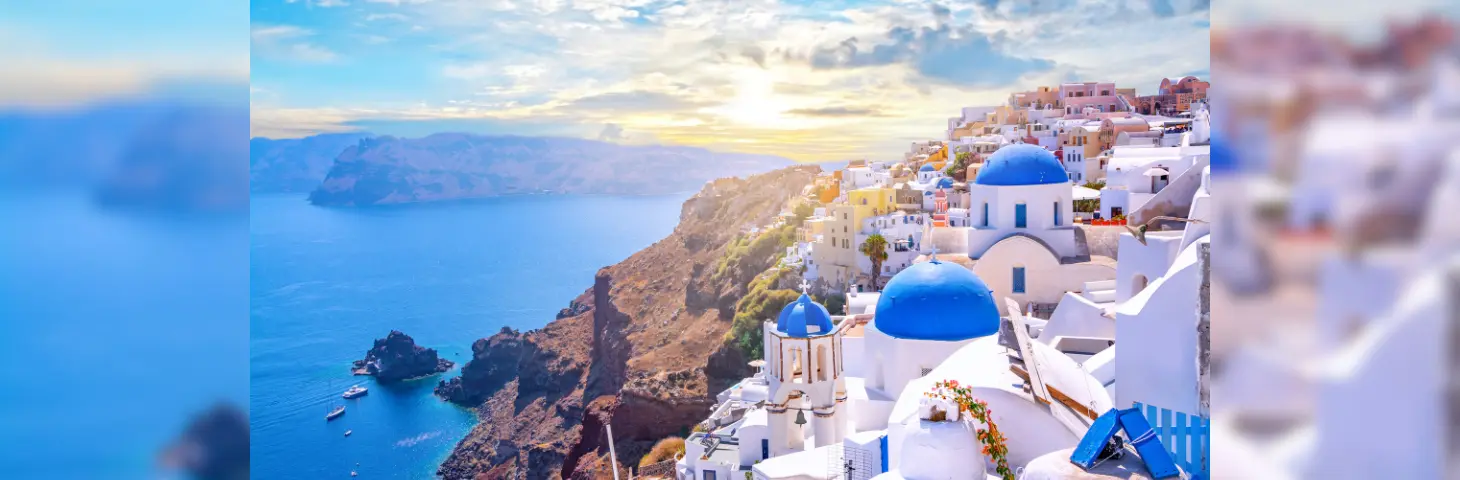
(959, 168)
(803, 211)
(875, 248)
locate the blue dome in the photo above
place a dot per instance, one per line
(1222, 159)
(926, 168)
(1021, 164)
(936, 301)
(945, 182)
(800, 314)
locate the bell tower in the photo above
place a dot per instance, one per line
(804, 372)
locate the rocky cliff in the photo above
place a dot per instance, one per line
(295, 164)
(447, 166)
(645, 349)
(397, 357)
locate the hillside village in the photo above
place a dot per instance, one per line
(977, 289)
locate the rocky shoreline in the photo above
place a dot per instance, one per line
(645, 348)
(397, 358)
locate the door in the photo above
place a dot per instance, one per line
(1020, 216)
(1018, 280)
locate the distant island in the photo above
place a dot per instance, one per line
(397, 357)
(359, 169)
(295, 164)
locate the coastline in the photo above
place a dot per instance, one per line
(642, 354)
(326, 282)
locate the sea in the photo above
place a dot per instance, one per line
(326, 282)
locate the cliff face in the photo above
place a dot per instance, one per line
(295, 164)
(445, 166)
(397, 357)
(643, 349)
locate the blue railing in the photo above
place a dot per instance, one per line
(1187, 437)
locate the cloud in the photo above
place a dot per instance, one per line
(385, 16)
(631, 101)
(288, 43)
(330, 3)
(810, 81)
(944, 53)
(840, 111)
(612, 132)
(755, 54)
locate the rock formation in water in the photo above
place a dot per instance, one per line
(397, 357)
(645, 348)
(449, 166)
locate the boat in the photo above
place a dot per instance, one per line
(348, 432)
(355, 391)
(340, 410)
(354, 474)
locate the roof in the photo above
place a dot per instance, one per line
(1128, 121)
(798, 316)
(936, 301)
(1021, 164)
(926, 168)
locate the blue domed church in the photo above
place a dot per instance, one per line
(924, 314)
(804, 373)
(1021, 190)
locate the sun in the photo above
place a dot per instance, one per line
(754, 102)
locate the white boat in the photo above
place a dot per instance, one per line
(355, 391)
(340, 410)
(348, 432)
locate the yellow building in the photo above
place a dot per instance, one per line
(870, 201)
(938, 158)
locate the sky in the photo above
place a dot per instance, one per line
(62, 53)
(811, 81)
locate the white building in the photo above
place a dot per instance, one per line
(1135, 175)
(904, 234)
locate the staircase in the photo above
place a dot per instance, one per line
(1101, 292)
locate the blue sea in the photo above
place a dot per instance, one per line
(326, 282)
(120, 326)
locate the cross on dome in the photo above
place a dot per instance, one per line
(805, 286)
(933, 257)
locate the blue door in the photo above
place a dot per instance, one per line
(1020, 216)
(1018, 279)
(765, 448)
(985, 214)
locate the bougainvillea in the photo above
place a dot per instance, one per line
(992, 439)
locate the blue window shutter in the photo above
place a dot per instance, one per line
(1018, 279)
(985, 214)
(765, 448)
(1021, 214)
(1056, 214)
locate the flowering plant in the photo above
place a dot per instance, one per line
(993, 441)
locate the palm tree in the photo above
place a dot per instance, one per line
(875, 248)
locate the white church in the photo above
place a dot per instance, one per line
(844, 396)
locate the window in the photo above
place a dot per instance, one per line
(1018, 280)
(765, 448)
(1021, 219)
(925, 371)
(985, 214)
(709, 474)
(1056, 214)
